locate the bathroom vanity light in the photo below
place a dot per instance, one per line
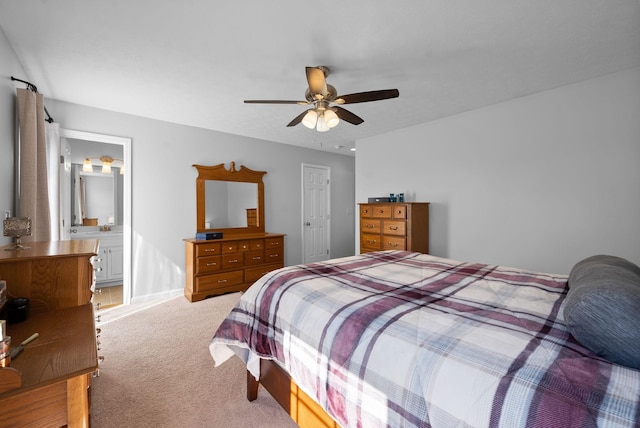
(87, 166)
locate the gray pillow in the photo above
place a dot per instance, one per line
(602, 308)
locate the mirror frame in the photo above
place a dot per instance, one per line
(220, 173)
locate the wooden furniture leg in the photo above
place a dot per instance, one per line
(252, 387)
(78, 401)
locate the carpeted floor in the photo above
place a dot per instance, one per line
(158, 372)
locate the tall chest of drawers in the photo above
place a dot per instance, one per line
(230, 264)
(394, 226)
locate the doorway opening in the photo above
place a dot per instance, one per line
(76, 146)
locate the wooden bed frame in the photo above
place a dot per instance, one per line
(302, 408)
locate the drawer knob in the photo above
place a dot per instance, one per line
(212, 264)
(393, 227)
(209, 250)
(257, 258)
(233, 261)
(221, 281)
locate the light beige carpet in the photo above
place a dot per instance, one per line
(158, 372)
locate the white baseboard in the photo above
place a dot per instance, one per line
(158, 296)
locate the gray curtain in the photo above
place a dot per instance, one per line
(33, 171)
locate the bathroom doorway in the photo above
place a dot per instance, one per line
(75, 147)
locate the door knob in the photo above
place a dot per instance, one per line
(307, 224)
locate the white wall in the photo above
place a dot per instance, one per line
(538, 182)
(164, 209)
(164, 180)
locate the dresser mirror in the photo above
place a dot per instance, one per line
(229, 200)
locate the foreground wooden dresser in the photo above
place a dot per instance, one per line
(58, 274)
(394, 226)
(219, 266)
(55, 370)
(48, 384)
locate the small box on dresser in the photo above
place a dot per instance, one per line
(394, 226)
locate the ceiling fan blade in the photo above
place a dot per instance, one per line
(298, 119)
(317, 81)
(304, 103)
(363, 97)
(347, 116)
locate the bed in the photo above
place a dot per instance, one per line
(403, 339)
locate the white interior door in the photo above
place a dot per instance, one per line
(315, 212)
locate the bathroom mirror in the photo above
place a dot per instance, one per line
(96, 197)
(229, 200)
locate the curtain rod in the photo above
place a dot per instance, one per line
(33, 88)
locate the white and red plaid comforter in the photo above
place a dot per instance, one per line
(400, 339)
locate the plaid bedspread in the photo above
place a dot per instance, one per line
(400, 339)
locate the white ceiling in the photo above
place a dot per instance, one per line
(193, 62)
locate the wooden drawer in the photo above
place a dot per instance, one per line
(399, 211)
(394, 227)
(253, 258)
(208, 249)
(274, 243)
(393, 243)
(243, 246)
(371, 241)
(272, 255)
(369, 226)
(218, 280)
(232, 261)
(365, 211)
(206, 265)
(255, 273)
(256, 244)
(229, 247)
(381, 211)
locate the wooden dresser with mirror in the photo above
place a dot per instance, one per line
(230, 201)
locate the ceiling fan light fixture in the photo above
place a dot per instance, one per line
(310, 119)
(326, 112)
(331, 118)
(322, 123)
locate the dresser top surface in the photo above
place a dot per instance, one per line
(36, 250)
(65, 347)
(393, 203)
(237, 237)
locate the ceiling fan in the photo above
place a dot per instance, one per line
(326, 111)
